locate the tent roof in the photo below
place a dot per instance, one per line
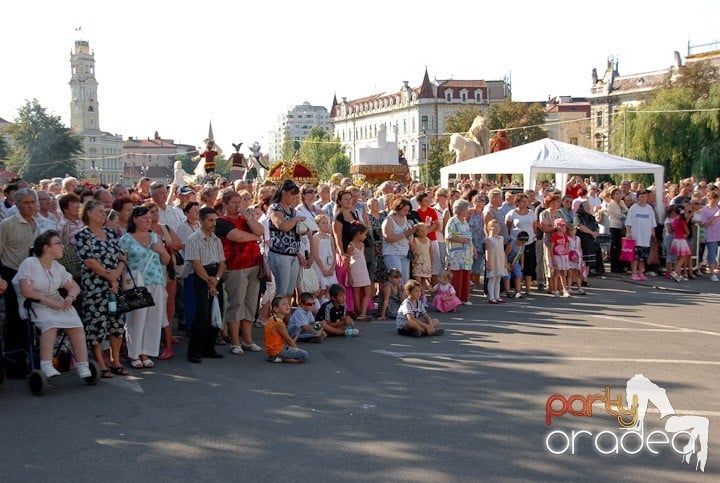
(550, 156)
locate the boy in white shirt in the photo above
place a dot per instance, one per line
(640, 226)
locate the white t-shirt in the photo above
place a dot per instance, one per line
(642, 221)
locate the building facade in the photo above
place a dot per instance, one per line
(415, 114)
(296, 124)
(102, 160)
(612, 93)
(152, 157)
(567, 119)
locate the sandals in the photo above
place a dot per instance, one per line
(137, 364)
(120, 371)
(106, 374)
(148, 363)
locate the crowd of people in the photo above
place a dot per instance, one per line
(308, 261)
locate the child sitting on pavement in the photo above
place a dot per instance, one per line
(392, 295)
(412, 318)
(332, 314)
(302, 322)
(279, 346)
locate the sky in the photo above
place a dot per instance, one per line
(173, 67)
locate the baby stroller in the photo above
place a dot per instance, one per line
(62, 357)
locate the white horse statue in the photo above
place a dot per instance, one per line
(475, 143)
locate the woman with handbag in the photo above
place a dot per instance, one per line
(146, 259)
(103, 263)
(284, 239)
(172, 244)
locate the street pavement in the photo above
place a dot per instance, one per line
(467, 406)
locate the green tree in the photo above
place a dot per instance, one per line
(461, 120)
(41, 146)
(187, 163)
(678, 127)
(324, 154)
(289, 148)
(4, 148)
(512, 115)
(438, 156)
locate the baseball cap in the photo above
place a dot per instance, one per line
(184, 190)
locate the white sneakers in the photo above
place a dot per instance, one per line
(252, 347)
(48, 369)
(714, 278)
(83, 370)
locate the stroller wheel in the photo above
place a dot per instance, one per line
(95, 377)
(38, 382)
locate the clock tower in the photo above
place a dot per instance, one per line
(84, 113)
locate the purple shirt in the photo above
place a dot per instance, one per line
(712, 231)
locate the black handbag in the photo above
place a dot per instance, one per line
(136, 297)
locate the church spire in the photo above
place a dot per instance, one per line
(426, 90)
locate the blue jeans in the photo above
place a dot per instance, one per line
(400, 262)
(293, 353)
(285, 270)
(712, 251)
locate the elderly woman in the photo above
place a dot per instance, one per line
(39, 277)
(99, 249)
(397, 232)
(284, 239)
(146, 255)
(69, 226)
(123, 207)
(461, 251)
(477, 227)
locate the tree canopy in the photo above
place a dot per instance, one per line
(678, 127)
(324, 154)
(42, 147)
(510, 115)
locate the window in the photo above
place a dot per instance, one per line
(599, 118)
(573, 141)
(424, 123)
(448, 95)
(463, 97)
(599, 144)
(404, 125)
(90, 109)
(423, 151)
(478, 96)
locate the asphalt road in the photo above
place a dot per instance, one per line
(468, 406)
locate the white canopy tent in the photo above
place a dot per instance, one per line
(550, 156)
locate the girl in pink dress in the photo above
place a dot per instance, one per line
(680, 247)
(445, 299)
(358, 276)
(561, 261)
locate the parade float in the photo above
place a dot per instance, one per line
(295, 170)
(380, 162)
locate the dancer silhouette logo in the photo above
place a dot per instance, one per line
(685, 435)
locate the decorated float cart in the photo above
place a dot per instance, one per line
(295, 170)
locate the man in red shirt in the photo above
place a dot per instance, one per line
(429, 216)
(240, 237)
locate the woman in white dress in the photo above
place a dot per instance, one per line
(40, 277)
